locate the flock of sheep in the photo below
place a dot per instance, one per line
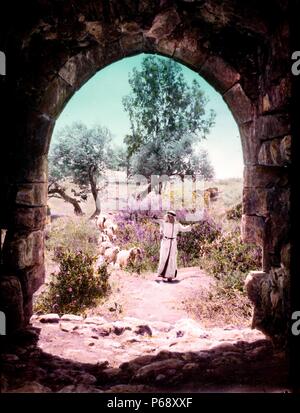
(109, 252)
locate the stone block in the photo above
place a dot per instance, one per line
(31, 279)
(239, 104)
(265, 177)
(253, 229)
(250, 143)
(30, 170)
(164, 24)
(78, 69)
(31, 194)
(24, 250)
(275, 152)
(189, 52)
(270, 154)
(256, 201)
(219, 74)
(132, 43)
(55, 97)
(273, 126)
(11, 302)
(253, 285)
(286, 149)
(277, 97)
(28, 218)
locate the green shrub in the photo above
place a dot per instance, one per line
(73, 234)
(76, 287)
(229, 260)
(235, 213)
(189, 242)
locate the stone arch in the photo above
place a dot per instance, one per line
(258, 103)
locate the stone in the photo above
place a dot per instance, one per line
(164, 24)
(286, 149)
(258, 201)
(165, 47)
(265, 177)
(79, 388)
(189, 52)
(143, 330)
(24, 250)
(132, 43)
(270, 153)
(273, 126)
(158, 367)
(29, 218)
(161, 326)
(8, 358)
(253, 284)
(33, 194)
(253, 229)
(75, 72)
(31, 170)
(31, 387)
(55, 97)
(286, 256)
(71, 317)
(85, 378)
(67, 327)
(112, 373)
(102, 331)
(119, 327)
(278, 97)
(50, 318)
(219, 74)
(239, 104)
(11, 303)
(95, 29)
(129, 388)
(95, 320)
(187, 327)
(250, 143)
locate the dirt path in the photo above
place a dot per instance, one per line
(150, 298)
(148, 343)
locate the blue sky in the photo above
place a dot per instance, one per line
(99, 101)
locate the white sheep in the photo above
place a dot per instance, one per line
(103, 238)
(104, 246)
(100, 220)
(124, 257)
(110, 233)
(110, 254)
(109, 224)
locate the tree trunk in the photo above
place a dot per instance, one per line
(57, 189)
(94, 190)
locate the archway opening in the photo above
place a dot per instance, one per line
(221, 315)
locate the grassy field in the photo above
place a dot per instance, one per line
(230, 191)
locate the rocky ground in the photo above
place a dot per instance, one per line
(161, 350)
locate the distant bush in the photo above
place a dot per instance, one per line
(189, 243)
(73, 234)
(229, 259)
(76, 287)
(235, 213)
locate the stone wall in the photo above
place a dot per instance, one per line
(240, 48)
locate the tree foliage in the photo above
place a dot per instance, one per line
(80, 154)
(167, 119)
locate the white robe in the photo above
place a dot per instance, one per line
(166, 243)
